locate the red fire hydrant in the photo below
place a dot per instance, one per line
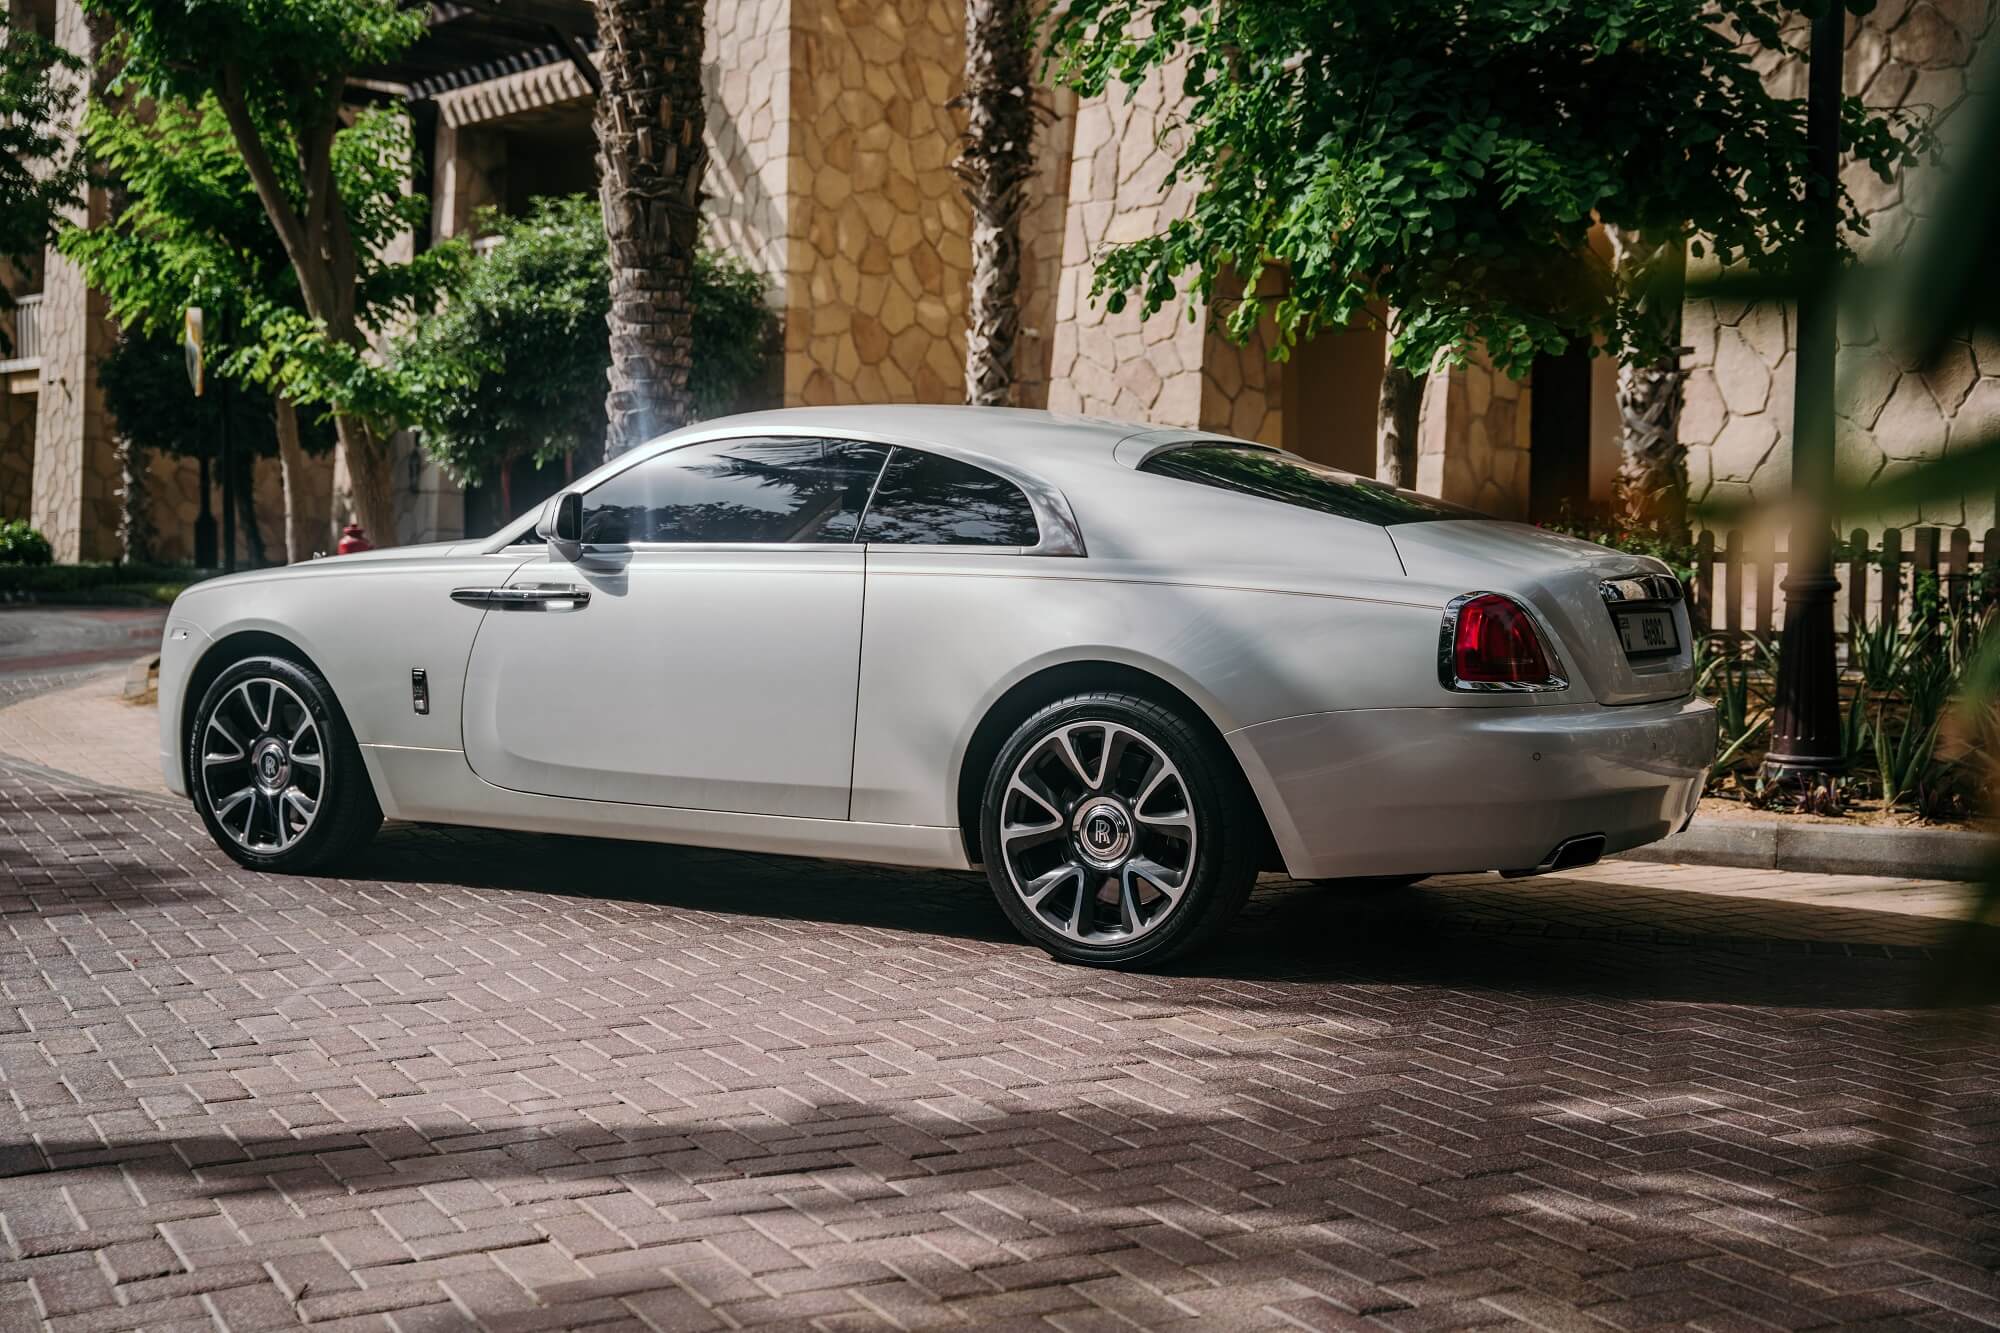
(353, 539)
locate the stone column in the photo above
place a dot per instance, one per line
(1120, 365)
(76, 475)
(1472, 441)
(877, 227)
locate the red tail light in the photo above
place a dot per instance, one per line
(1491, 643)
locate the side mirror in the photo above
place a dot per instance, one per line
(561, 525)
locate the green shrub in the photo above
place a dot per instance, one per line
(122, 584)
(22, 545)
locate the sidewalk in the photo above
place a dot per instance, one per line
(89, 731)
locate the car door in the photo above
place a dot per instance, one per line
(703, 650)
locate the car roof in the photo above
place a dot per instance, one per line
(1022, 437)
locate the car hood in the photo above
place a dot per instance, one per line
(1559, 576)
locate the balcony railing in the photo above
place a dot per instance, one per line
(24, 333)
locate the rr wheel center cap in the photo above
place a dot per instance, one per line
(1102, 831)
(271, 764)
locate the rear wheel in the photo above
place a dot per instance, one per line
(274, 770)
(1115, 832)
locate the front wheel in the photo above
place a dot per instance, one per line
(274, 770)
(1115, 832)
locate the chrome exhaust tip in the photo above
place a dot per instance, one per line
(1570, 853)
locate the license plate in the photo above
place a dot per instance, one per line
(1646, 633)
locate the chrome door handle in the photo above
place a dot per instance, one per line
(526, 597)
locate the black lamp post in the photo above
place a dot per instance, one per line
(1806, 738)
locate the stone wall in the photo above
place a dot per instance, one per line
(17, 451)
(1737, 422)
(1042, 227)
(748, 80)
(75, 501)
(1472, 443)
(1120, 365)
(878, 254)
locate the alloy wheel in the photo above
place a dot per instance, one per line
(1097, 833)
(263, 765)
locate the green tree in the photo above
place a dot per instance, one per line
(1448, 161)
(514, 364)
(40, 175)
(332, 185)
(145, 386)
(189, 231)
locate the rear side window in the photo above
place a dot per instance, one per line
(1292, 480)
(930, 500)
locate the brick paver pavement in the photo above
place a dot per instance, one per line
(520, 1083)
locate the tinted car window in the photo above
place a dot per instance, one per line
(747, 490)
(1292, 480)
(929, 499)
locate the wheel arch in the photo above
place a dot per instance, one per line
(219, 656)
(1045, 684)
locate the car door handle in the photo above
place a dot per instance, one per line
(527, 597)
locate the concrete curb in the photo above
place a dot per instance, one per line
(1826, 849)
(140, 677)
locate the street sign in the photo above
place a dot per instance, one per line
(191, 342)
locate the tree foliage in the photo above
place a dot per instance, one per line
(145, 386)
(40, 174)
(333, 185)
(1449, 159)
(192, 232)
(514, 364)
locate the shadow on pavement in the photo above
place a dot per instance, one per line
(1369, 1196)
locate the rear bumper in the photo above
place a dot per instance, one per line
(1402, 791)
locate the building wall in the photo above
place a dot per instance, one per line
(879, 255)
(749, 85)
(17, 451)
(1119, 365)
(1737, 421)
(1042, 227)
(1472, 443)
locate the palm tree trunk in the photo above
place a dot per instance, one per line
(995, 161)
(302, 535)
(1652, 484)
(1397, 415)
(650, 158)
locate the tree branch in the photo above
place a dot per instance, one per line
(257, 158)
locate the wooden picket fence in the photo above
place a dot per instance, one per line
(1738, 580)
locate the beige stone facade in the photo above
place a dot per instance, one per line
(1738, 417)
(830, 140)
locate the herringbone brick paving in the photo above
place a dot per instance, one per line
(522, 1083)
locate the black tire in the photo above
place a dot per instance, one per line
(1220, 863)
(1371, 883)
(345, 813)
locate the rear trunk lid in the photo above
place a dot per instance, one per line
(1565, 581)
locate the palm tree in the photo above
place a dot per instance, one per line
(995, 160)
(650, 158)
